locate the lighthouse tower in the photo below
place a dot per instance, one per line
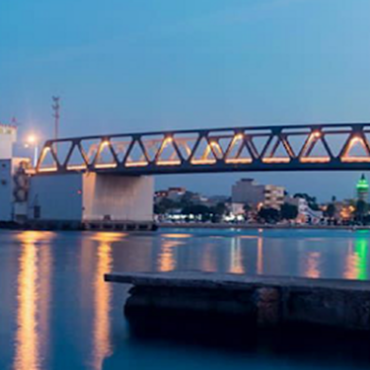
(362, 188)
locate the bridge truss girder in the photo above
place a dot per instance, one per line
(274, 148)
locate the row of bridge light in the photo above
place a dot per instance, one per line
(315, 135)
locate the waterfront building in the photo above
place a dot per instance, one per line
(302, 207)
(178, 194)
(13, 179)
(14, 184)
(362, 189)
(273, 196)
(216, 199)
(175, 193)
(248, 191)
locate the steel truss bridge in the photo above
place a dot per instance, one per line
(273, 148)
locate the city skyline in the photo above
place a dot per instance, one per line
(252, 177)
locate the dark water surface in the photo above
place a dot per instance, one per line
(57, 313)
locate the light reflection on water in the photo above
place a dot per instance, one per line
(102, 298)
(32, 300)
(69, 267)
(27, 341)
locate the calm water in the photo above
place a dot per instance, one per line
(57, 313)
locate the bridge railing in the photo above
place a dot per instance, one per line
(235, 148)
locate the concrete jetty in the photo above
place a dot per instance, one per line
(259, 300)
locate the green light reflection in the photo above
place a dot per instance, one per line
(361, 251)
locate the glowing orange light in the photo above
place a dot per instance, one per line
(276, 160)
(136, 164)
(238, 160)
(106, 165)
(314, 159)
(203, 161)
(216, 146)
(168, 163)
(32, 139)
(77, 167)
(305, 159)
(47, 169)
(355, 159)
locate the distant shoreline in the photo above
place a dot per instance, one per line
(189, 225)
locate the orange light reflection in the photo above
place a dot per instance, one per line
(167, 256)
(260, 255)
(32, 308)
(236, 258)
(102, 297)
(312, 265)
(177, 236)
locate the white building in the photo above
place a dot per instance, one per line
(13, 180)
(8, 136)
(13, 189)
(305, 213)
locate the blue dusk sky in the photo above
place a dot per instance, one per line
(123, 66)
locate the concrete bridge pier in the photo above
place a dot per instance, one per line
(91, 201)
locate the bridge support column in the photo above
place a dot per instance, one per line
(117, 198)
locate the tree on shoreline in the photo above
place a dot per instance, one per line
(361, 210)
(330, 210)
(288, 211)
(269, 215)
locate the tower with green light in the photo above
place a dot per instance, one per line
(362, 188)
